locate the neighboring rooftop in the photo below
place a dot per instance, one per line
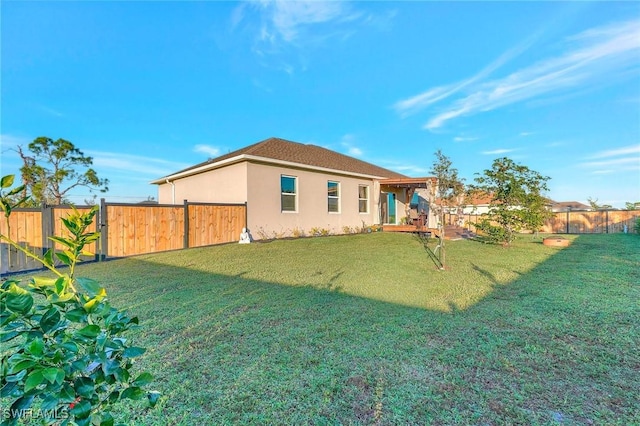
(563, 206)
(294, 152)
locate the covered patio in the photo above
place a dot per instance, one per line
(397, 211)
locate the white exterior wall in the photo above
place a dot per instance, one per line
(224, 185)
(266, 218)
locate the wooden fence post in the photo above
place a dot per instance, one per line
(48, 229)
(104, 230)
(4, 258)
(185, 243)
(568, 213)
(606, 219)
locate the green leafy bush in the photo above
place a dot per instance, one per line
(636, 227)
(63, 350)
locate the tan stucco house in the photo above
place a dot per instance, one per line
(292, 188)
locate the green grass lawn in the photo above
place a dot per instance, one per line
(364, 329)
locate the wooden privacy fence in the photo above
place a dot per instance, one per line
(136, 229)
(31, 228)
(127, 229)
(571, 222)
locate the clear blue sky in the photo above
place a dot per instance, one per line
(148, 88)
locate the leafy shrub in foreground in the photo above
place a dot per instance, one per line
(64, 357)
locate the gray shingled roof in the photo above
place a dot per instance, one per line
(310, 155)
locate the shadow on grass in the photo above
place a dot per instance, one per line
(426, 240)
(559, 342)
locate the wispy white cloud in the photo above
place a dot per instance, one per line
(615, 162)
(348, 142)
(411, 169)
(610, 161)
(355, 151)
(8, 142)
(211, 151)
(287, 31)
(419, 102)
(591, 57)
(402, 167)
(285, 20)
(498, 151)
(134, 164)
(464, 139)
(626, 150)
(525, 134)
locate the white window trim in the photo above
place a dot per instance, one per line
(295, 194)
(367, 199)
(337, 197)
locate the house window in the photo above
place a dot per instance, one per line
(333, 196)
(363, 199)
(288, 192)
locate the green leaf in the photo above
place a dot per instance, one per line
(21, 365)
(52, 374)
(122, 374)
(76, 315)
(70, 346)
(89, 238)
(18, 299)
(81, 409)
(22, 403)
(110, 366)
(64, 258)
(50, 402)
(64, 241)
(36, 347)
(113, 397)
(106, 420)
(92, 304)
(92, 287)
(15, 191)
(70, 225)
(48, 258)
(16, 377)
(67, 394)
(6, 208)
(83, 422)
(43, 282)
(84, 386)
(133, 352)
(50, 320)
(91, 331)
(8, 389)
(5, 337)
(62, 284)
(33, 380)
(132, 392)
(143, 379)
(6, 284)
(6, 181)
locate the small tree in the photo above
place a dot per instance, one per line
(446, 193)
(64, 353)
(632, 206)
(535, 214)
(517, 201)
(596, 206)
(53, 168)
